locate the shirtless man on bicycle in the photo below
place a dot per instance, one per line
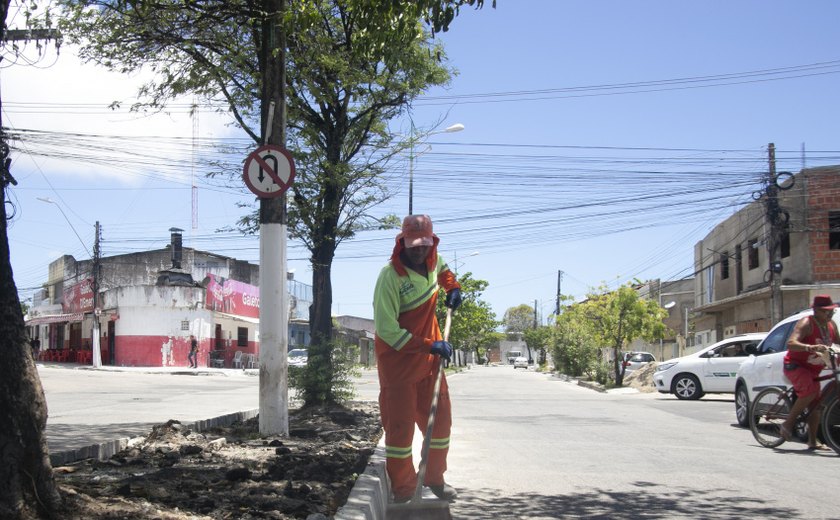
(812, 336)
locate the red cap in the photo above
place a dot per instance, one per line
(823, 301)
(417, 231)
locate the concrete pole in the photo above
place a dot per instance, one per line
(274, 331)
(274, 308)
(96, 354)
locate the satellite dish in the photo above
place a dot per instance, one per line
(669, 305)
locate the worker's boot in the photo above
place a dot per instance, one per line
(444, 491)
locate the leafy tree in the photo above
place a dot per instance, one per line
(620, 316)
(574, 346)
(353, 65)
(518, 319)
(474, 323)
(538, 340)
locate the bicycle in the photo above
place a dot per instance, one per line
(772, 405)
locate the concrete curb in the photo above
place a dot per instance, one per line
(105, 450)
(368, 499)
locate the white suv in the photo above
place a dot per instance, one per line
(765, 367)
(709, 370)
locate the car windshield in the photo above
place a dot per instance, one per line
(642, 358)
(297, 352)
(777, 340)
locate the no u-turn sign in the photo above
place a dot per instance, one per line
(269, 171)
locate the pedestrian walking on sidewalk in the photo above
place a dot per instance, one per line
(192, 357)
(408, 341)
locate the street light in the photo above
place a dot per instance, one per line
(50, 201)
(455, 260)
(457, 127)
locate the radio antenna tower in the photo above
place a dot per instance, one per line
(192, 169)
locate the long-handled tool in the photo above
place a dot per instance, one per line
(418, 507)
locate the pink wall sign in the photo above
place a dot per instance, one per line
(233, 297)
(78, 297)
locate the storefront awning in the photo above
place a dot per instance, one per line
(56, 318)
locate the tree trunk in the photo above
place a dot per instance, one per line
(27, 487)
(320, 326)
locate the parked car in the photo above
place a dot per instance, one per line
(765, 367)
(709, 370)
(520, 362)
(298, 357)
(512, 355)
(636, 360)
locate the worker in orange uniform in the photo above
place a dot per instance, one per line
(408, 341)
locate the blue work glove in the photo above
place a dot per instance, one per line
(453, 299)
(442, 349)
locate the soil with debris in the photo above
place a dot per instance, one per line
(642, 378)
(229, 472)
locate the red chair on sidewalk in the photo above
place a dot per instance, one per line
(61, 355)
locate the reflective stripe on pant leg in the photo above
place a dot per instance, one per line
(398, 422)
(439, 445)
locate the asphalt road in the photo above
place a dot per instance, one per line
(95, 406)
(527, 445)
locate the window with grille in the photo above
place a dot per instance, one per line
(242, 336)
(724, 265)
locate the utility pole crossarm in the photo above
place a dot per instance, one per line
(19, 35)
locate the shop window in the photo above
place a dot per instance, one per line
(724, 265)
(242, 336)
(834, 230)
(752, 256)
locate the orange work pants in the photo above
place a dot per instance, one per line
(402, 406)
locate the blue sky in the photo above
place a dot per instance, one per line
(602, 138)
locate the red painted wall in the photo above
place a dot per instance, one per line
(145, 351)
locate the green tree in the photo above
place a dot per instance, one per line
(574, 346)
(518, 319)
(353, 65)
(474, 323)
(620, 316)
(537, 340)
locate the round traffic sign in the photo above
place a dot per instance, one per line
(269, 171)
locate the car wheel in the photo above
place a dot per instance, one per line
(687, 387)
(742, 407)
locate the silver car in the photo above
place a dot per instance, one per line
(298, 357)
(636, 360)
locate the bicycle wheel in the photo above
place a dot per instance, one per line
(831, 424)
(768, 411)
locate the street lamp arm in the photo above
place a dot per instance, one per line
(413, 138)
(50, 201)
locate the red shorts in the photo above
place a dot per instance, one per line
(803, 381)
